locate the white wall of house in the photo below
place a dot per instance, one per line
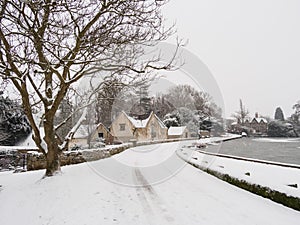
(125, 128)
(122, 128)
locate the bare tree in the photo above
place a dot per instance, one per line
(242, 114)
(190, 98)
(111, 89)
(47, 46)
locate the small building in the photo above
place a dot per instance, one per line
(178, 132)
(91, 134)
(126, 128)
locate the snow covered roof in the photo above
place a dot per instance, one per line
(161, 123)
(260, 119)
(137, 123)
(143, 123)
(84, 130)
(257, 119)
(176, 130)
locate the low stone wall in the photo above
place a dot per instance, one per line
(10, 160)
(36, 161)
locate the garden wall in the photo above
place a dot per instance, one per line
(36, 161)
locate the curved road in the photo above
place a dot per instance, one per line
(143, 185)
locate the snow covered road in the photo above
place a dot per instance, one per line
(143, 185)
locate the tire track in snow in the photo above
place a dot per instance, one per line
(145, 190)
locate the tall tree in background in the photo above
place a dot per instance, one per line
(279, 114)
(160, 106)
(242, 114)
(106, 96)
(193, 106)
(47, 46)
(185, 96)
(142, 109)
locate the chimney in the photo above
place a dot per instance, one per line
(256, 115)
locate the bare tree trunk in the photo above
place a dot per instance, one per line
(53, 151)
(53, 161)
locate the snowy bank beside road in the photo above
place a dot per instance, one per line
(252, 176)
(211, 140)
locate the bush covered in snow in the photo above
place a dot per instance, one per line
(279, 128)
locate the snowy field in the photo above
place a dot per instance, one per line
(143, 185)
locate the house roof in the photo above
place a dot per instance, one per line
(138, 123)
(161, 123)
(84, 130)
(260, 119)
(176, 130)
(143, 123)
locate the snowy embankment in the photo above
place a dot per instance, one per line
(225, 137)
(143, 185)
(279, 182)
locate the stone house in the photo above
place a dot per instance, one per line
(92, 134)
(178, 132)
(127, 128)
(257, 125)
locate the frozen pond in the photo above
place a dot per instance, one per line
(285, 150)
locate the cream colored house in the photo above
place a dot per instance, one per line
(126, 128)
(178, 132)
(91, 134)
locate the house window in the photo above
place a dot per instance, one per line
(153, 132)
(100, 135)
(122, 126)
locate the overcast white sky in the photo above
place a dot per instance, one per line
(251, 47)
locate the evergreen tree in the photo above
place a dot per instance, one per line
(279, 114)
(14, 125)
(172, 120)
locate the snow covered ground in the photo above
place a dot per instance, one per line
(143, 185)
(275, 177)
(213, 140)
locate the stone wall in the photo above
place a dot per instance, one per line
(36, 161)
(10, 160)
